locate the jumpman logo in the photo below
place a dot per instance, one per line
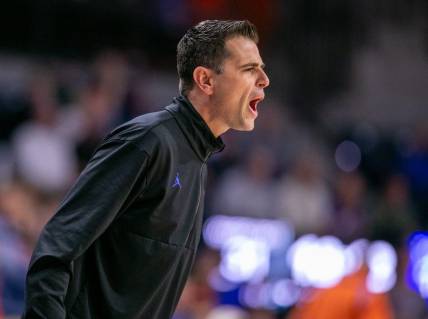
(177, 182)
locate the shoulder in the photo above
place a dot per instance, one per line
(148, 132)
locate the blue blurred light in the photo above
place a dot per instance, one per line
(421, 275)
(255, 295)
(270, 295)
(418, 263)
(246, 244)
(219, 229)
(285, 293)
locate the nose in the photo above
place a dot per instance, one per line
(263, 80)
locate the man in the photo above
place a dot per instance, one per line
(124, 239)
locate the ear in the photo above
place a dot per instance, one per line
(203, 79)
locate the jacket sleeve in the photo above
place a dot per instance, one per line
(103, 188)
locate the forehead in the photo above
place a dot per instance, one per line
(242, 50)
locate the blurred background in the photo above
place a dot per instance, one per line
(318, 213)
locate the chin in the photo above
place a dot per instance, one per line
(245, 127)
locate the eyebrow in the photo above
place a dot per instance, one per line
(252, 64)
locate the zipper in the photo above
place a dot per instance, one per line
(199, 200)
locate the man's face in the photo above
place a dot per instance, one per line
(239, 87)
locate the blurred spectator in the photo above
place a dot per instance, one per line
(248, 190)
(187, 302)
(394, 217)
(17, 236)
(44, 156)
(198, 298)
(112, 70)
(100, 103)
(6, 163)
(415, 167)
(275, 124)
(304, 198)
(351, 219)
(406, 303)
(94, 108)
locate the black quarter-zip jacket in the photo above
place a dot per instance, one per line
(123, 241)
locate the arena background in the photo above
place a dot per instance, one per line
(319, 212)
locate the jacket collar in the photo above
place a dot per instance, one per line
(196, 131)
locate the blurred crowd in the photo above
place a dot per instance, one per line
(340, 147)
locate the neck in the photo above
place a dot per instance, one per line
(207, 111)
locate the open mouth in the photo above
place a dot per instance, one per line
(253, 105)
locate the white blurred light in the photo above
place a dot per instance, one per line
(355, 255)
(382, 262)
(348, 156)
(219, 283)
(317, 262)
(244, 259)
(419, 246)
(380, 284)
(226, 312)
(299, 259)
(274, 233)
(330, 262)
(420, 273)
(285, 293)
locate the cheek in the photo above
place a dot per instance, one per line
(245, 94)
(234, 91)
(226, 88)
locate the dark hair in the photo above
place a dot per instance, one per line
(203, 45)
